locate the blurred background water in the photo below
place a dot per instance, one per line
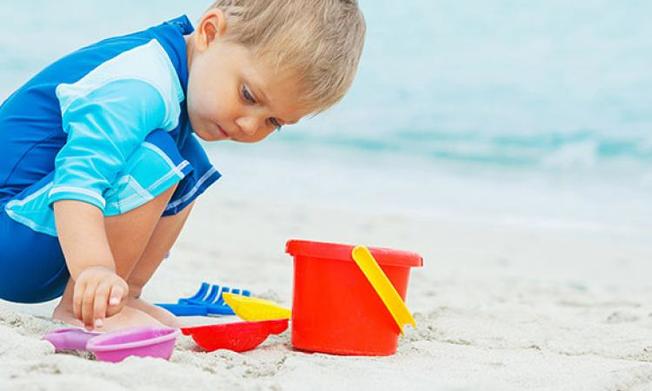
(534, 112)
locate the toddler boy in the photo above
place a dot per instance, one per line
(101, 165)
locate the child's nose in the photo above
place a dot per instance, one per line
(249, 125)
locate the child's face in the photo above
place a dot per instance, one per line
(231, 95)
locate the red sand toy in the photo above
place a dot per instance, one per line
(335, 308)
(239, 336)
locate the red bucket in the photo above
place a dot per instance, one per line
(335, 309)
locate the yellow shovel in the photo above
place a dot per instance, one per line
(383, 287)
(254, 309)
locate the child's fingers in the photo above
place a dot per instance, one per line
(100, 304)
(77, 299)
(87, 306)
(116, 300)
(117, 294)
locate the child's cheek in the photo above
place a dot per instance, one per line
(197, 103)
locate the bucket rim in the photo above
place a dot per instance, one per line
(342, 252)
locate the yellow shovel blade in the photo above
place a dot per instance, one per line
(253, 309)
(383, 286)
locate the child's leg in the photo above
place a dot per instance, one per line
(128, 235)
(169, 227)
(160, 243)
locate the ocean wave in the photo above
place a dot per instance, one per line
(552, 150)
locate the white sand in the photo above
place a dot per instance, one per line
(498, 305)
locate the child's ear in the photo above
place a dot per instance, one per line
(211, 26)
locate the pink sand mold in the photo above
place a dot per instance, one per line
(115, 346)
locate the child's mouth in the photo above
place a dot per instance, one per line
(222, 132)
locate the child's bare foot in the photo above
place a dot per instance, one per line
(128, 317)
(63, 313)
(158, 313)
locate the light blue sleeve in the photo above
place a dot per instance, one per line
(104, 127)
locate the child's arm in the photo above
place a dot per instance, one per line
(98, 291)
(107, 115)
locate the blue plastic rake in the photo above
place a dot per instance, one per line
(208, 300)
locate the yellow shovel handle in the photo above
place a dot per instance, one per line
(383, 286)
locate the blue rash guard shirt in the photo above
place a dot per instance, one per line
(106, 125)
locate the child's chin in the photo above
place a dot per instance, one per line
(207, 136)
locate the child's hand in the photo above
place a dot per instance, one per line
(99, 293)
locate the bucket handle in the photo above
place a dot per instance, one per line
(383, 287)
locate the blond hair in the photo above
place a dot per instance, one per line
(319, 41)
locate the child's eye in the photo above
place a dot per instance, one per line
(247, 95)
(276, 124)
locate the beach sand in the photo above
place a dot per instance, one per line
(499, 306)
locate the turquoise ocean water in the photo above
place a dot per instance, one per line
(525, 112)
